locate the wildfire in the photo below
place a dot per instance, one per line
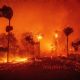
(15, 60)
(19, 60)
(3, 60)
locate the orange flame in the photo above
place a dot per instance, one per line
(14, 60)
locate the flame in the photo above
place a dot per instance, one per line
(14, 60)
(20, 59)
(3, 60)
(39, 37)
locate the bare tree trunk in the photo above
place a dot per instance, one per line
(67, 47)
(8, 45)
(39, 49)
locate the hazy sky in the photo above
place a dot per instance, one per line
(43, 16)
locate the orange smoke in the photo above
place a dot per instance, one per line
(43, 16)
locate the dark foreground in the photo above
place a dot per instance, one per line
(38, 71)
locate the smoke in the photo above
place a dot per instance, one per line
(44, 16)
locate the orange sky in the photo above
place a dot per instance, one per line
(43, 16)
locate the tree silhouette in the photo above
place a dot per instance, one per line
(67, 32)
(0, 12)
(76, 45)
(13, 43)
(7, 12)
(28, 42)
(8, 30)
(3, 42)
(29, 39)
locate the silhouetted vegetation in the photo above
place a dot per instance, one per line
(67, 32)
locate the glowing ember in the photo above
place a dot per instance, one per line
(39, 37)
(14, 60)
(19, 59)
(56, 35)
(3, 60)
